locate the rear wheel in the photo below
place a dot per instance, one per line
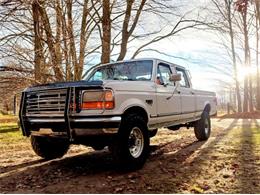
(49, 148)
(131, 146)
(202, 127)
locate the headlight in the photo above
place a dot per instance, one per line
(98, 100)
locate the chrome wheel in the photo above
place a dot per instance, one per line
(136, 142)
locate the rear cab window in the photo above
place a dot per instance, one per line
(184, 82)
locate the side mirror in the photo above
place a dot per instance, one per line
(175, 77)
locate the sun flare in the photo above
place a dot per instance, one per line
(245, 71)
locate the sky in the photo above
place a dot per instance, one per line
(198, 55)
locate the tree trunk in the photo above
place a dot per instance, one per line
(83, 40)
(58, 33)
(257, 14)
(257, 72)
(125, 32)
(125, 35)
(38, 49)
(247, 96)
(50, 43)
(106, 28)
(66, 51)
(231, 34)
(251, 105)
(71, 40)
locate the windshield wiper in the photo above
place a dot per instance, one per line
(124, 79)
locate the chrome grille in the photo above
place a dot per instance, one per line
(46, 102)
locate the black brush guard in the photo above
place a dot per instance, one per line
(27, 126)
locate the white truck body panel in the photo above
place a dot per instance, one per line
(185, 105)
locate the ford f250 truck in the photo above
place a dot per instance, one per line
(119, 105)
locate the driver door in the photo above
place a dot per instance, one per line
(168, 103)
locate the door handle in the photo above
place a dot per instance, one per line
(179, 92)
(192, 92)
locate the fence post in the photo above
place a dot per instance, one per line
(14, 110)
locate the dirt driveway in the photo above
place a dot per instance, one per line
(229, 162)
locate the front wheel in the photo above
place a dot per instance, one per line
(202, 127)
(49, 148)
(131, 146)
(153, 133)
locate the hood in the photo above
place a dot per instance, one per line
(142, 86)
(57, 85)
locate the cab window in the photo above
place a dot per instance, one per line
(163, 74)
(184, 79)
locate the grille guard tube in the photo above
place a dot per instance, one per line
(66, 113)
(22, 115)
(24, 119)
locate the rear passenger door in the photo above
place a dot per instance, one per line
(188, 99)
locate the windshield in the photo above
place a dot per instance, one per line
(131, 71)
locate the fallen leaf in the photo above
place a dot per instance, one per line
(235, 166)
(132, 181)
(226, 176)
(197, 189)
(205, 187)
(119, 189)
(133, 176)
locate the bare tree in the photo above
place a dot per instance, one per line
(63, 35)
(257, 17)
(242, 8)
(106, 29)
(38, 47)
(225, 10)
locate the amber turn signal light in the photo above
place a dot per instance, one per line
(98, 100)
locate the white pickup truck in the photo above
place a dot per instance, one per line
(119, 105)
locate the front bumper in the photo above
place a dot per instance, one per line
(78, 126)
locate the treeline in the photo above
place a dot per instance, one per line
(57, 38)
(237, 23)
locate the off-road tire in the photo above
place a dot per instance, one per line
(153, 133)
(98, 147)
(121, 146)
(49, 148)
(202, 127)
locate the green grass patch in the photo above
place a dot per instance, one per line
(7, 116)
(9, 133)
(11, 137)
(7, 127)
(256, 136)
